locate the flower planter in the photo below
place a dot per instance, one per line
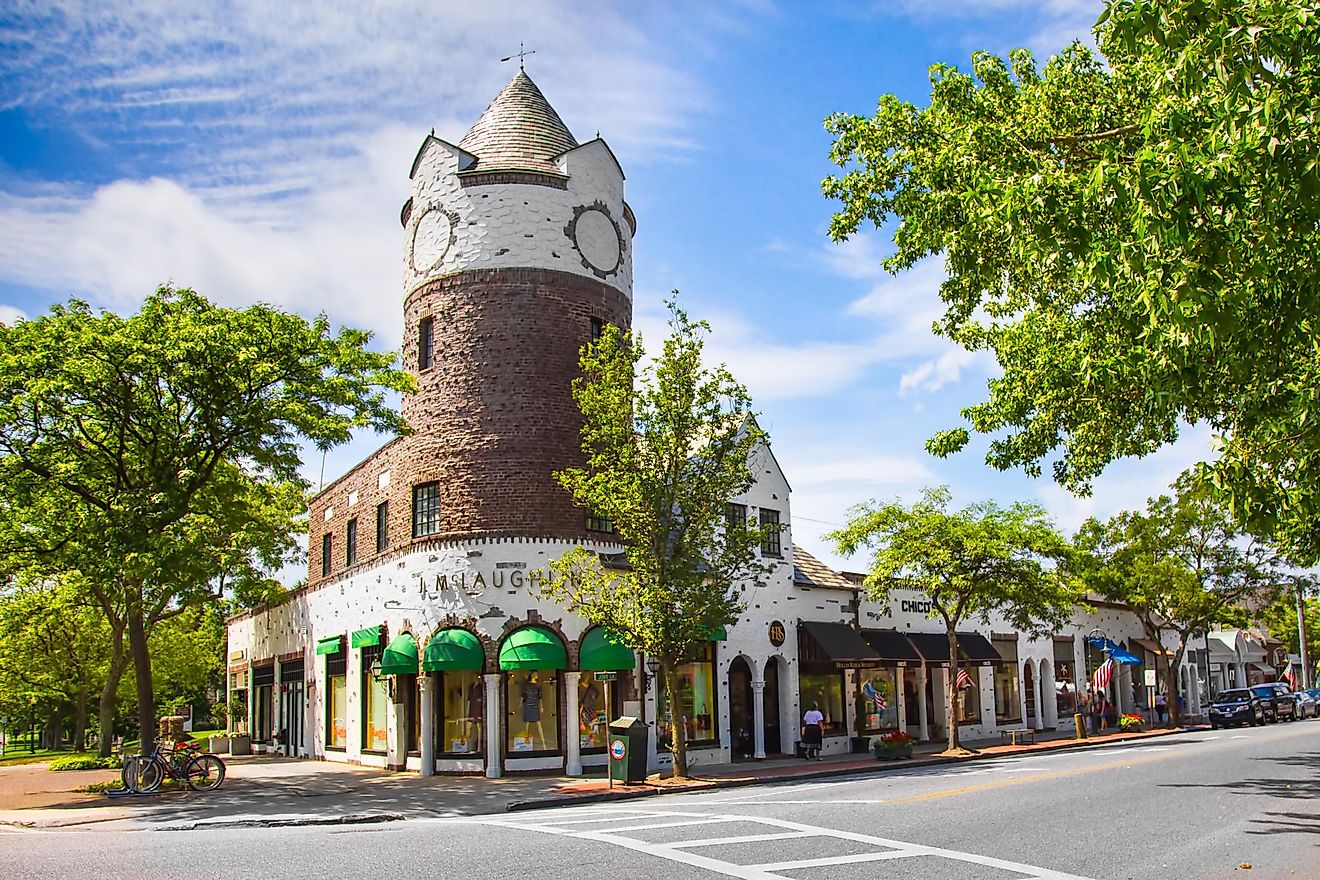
(217, 744)
(892, 753)
(240, 744)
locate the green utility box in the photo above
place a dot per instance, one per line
(627, 748)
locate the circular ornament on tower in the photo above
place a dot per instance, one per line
(598, 239)
(433, 236)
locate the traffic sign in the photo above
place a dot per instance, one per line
(607, 676)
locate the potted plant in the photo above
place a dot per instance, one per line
(893, 745)
(1131, 723)
(239, 741)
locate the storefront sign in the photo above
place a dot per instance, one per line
(912, 606)
(776, 633)
(235, 656)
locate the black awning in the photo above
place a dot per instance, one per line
(973, 648)
(890, 645)
(836, 643)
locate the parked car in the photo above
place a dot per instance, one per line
(1277, 700)
(1314, 694)
(1237, 706)
(1307, 706)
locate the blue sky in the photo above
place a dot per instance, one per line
(258, 151)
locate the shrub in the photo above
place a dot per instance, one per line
(1131, 722)
(895, 739)
(85, 762)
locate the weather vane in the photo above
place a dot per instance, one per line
(520, 55)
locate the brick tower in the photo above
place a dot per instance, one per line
(517, 249)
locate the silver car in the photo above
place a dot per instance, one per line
(1308, 703)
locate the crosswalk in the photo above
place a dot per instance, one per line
(737, 845)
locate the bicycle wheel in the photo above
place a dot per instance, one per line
(150, 775)
(128, 774)
(205, 773)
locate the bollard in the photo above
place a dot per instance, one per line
(1079, 726)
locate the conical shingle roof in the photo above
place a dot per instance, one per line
(519, 131)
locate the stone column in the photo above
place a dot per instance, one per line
(758, 718)
(573, 767)
(493, 727)
(1038, 695)
(427, 708)
(923, 710)
(900, 697)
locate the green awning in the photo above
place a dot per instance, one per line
(454, 649)
(719, 634)
(600, 653)
(399, 656)
(533, 647)
(364, 638)
(330, 645)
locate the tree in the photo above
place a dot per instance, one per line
(976, 562)
(156, 454)
(667, 446)
(1133, 236)
(1280, 619)
(1181, 566)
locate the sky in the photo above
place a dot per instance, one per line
(260, 152)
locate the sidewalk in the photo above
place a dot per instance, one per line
(269, 791)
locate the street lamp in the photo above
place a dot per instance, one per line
(653, 667)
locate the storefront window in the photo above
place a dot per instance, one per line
(593, 715)
(375, 702)
(408, 686)
(697, 707)
(336, 697)
(877, 700)
(462, 710)
(533, 719)
(1008, 689)
(969, 698)
(824, 689)
(1065, 678)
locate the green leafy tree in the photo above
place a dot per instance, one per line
(667, 446)
(156, 454)
(1133, 235)
(976, 562)
(1182, 566)
(1279, 618)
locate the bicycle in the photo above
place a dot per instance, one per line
(186, 763)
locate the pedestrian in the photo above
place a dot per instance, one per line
(1097, 712)
(1161, 706)
(1102, 709)
(812, 730)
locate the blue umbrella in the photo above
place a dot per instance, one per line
(1118, 652)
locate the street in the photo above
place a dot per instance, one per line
(1204, 804)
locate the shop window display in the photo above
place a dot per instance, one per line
(1065, 676)
(462, 710)
(593, 715)
(877, 700)
(697, 706)
(336, 693)
(1008, 687)
(969, 698)
(532, 724)
(824, 689)
(375, 705)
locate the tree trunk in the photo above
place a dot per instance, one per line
(953, 698)
(50, 734)
(80, 721)
(677, 731)
(137, 646)
(1173, 684)
(105, 706)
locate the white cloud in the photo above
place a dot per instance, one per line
(932, 375)
(11, 315)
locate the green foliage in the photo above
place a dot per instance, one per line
(1280, 616)
(667, 446)
(101, 787)
(1134, 237)
(84, 762)
(970, 563)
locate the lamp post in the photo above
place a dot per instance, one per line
(1079, 722)
(653, 668)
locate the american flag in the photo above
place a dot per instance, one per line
(873, 694)
(964, 680)
(1101, 677)
(1289, 676)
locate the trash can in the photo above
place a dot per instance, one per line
(627, 749)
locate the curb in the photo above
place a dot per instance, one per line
(1089, 744)
(284, 822)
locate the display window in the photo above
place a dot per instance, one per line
(532, 721)
(375, 705)
(825, 690)
(336, 699)
(969, 698)
(1008, 685)
(877, 699)
(462, 712)
(593, 714)
(1065, 678)
(698, 710)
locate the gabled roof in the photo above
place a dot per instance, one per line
(808, 571)
(519, 131)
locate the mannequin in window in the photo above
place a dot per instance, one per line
(531, 711)
(476, 704)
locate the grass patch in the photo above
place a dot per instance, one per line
(15, 756)
(100, 787)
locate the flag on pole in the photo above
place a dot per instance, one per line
(964, 680)
(1101, 677)
(1289, 676)
(873, 694)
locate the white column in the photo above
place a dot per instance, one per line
(758, 718)
(573, 766)
(923, 711)
(1048, 689)
(427, 708)
(493, 727)
(1038, 695)
(900, 698)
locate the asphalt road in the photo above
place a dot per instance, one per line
(1199, 805)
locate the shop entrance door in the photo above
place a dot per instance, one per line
(1029, 691)
(742, 713)
(773, 744)
(293, 708)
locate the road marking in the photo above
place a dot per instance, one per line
(851, 859)
(746, 838)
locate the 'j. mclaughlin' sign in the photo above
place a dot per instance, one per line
(475, 583)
